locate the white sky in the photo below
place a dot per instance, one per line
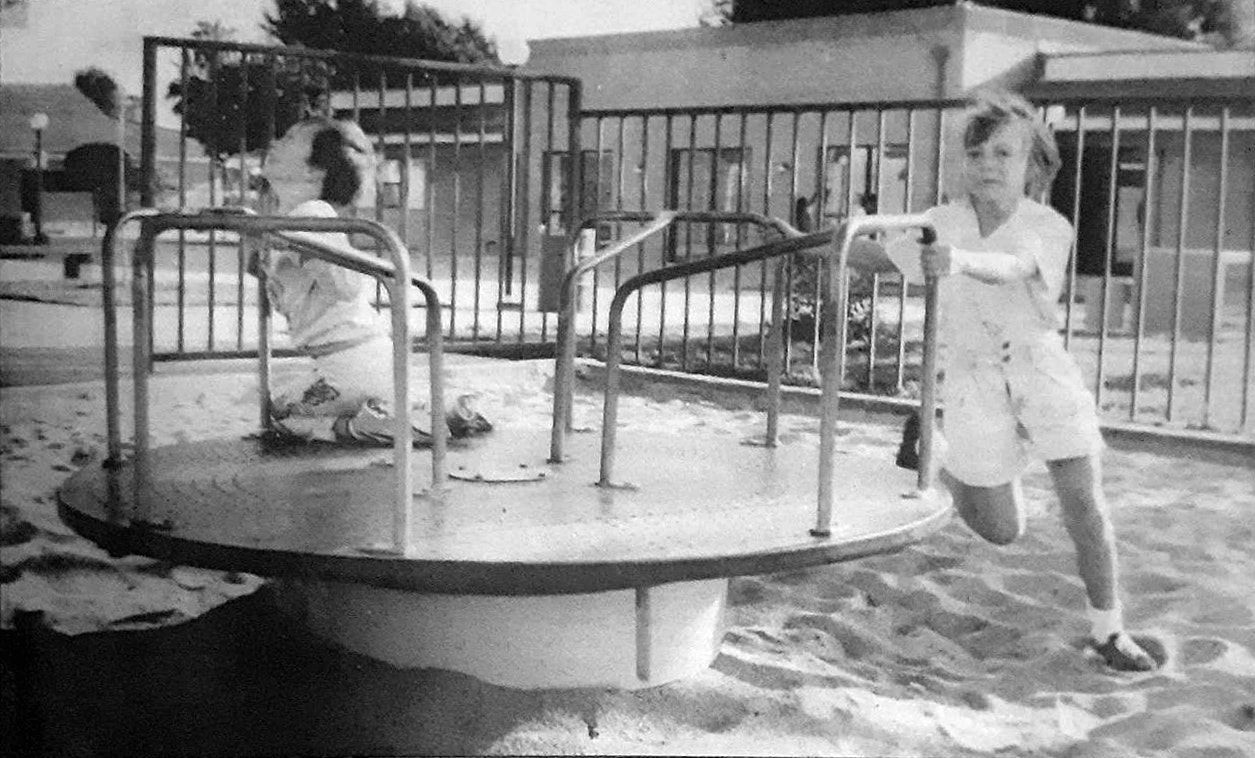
(64, 36)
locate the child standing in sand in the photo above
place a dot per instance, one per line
(1010, 384)
(317, 169)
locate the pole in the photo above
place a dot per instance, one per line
(38, 215)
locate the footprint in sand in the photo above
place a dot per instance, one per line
(969, 589)
(852, 641)
(1200, 650)
(1242, 717)
(1151, 583)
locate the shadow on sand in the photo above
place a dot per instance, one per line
(240, 681)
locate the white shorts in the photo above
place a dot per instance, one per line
(998, 409)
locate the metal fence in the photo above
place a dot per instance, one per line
(464, 154)
(485, 171)
(1157, 307)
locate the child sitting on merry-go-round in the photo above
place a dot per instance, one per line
(317, 169)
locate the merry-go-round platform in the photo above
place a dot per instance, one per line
(604, 565)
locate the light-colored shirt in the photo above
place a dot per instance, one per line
(323, 303)
(980, 318)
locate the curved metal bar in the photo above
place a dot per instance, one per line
(564, 370)
(614, 337)
(832, 364)
(395, 273)
(837, 266)
(108, 276)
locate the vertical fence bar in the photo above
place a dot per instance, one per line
(243, 200)
(1187, 126)
(1248, 348)
(381, 148)
(1076, 217)
(407, 165)
(525, 218)
(505, 258)
(668, 242)
(213, 194)
(1139, 326)
(455, 217)
(791, 264)
(1113, 185)
(844, 315)
(688, 242)
(643, 168)
(620, 189)
(768, 176)
(900, 370)
(430, 201)
(712, 238)
(1217, 270)
(875, 295)
(482, 136)
(575, 145)
(820, 199)
(148, 137)
(181, 296)
(547, 171)
(742, 179)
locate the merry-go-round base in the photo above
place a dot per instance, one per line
(521, 573)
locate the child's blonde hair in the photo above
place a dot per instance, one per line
(991, 109)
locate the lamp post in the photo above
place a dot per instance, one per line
(38, 123)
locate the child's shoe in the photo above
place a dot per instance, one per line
(371, 425)
(464, 420)
(1122, 653)
(908, 449)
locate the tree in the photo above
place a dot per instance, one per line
(228, 101)
(102, 169)
(362, 26)
(1217, 21)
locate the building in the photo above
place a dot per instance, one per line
(850, 111)
(74, 122)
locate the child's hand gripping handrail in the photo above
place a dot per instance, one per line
(299, 232)
(838, 260)
(586, 258)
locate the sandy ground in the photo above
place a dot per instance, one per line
(952, 647)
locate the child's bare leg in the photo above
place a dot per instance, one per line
(994, 513)
(1078, 481)
(1078, 484)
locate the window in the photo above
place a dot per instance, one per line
(879, 180)
(699, 179)
(398, 187)
(1096, 213)
(416, 186)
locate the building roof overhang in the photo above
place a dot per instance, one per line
(1158, 73)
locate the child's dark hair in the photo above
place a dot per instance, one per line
(329, 152)
(989, 110)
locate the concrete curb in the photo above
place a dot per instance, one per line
(741, 394)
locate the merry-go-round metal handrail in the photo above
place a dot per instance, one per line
(586, 259)
(295, 231)
(832, 361)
